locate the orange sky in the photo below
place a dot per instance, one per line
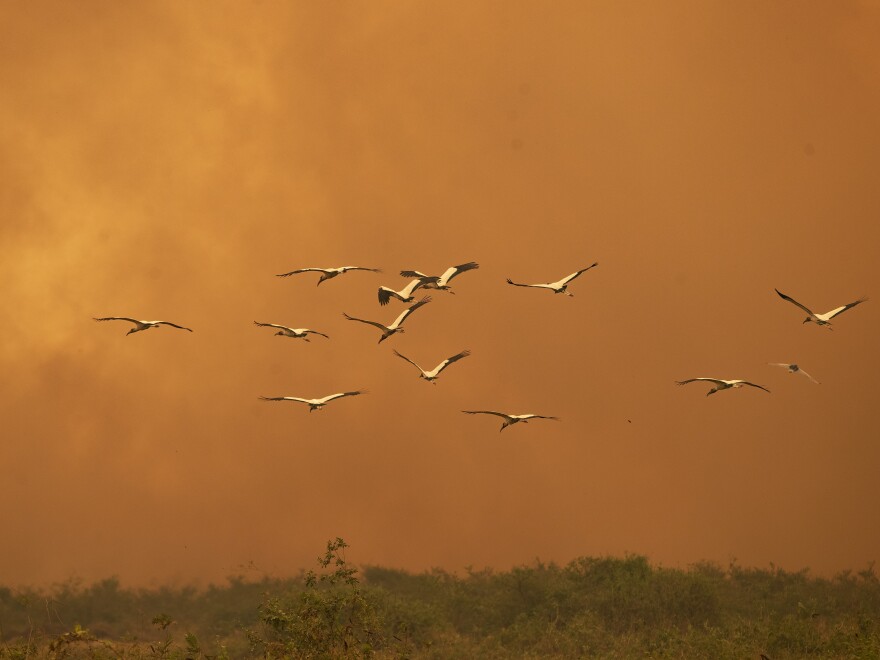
(165, 160)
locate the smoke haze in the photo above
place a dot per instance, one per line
(166, 160)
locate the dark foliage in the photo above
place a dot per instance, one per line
(593, 607)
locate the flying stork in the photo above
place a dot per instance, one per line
(388, 330)
(509, 420)
(431, 376)
(793, 369)
(405, 294)
(557, 287)
(328, 273)
(142, 325)
(296, 333)
(441, 282)
(721, 384)
(314, 404)
(820, 319)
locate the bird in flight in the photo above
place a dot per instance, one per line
(441, 282)
(793, 369)
(431, 376)
(405, 294)
(721, 384)
(820, 319)
(509, 420)
(328, 273)
(296, 333)
(142, 325)
(557, 287)
(314, 404)
(388, 330)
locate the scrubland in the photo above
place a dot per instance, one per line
(593, 607)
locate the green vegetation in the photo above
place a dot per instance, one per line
(591, 608)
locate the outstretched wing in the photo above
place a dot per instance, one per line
(273, 325)
(373, 323)
(455, 271)
(340, 395)
(408, 290)
(348, 268)
(173, 325)
(385, 293)
(303, 270)
(409, 310)
(410, 361)
(556, 419)
(794, 302)
(745, 382)
(306, 331)
(455, 358)
(840, 310)
(717, 381)
(537, 286)
(487, 412)
(117, 318)
(801, 371)
(566, 280)
(415, 273)
(284, 398)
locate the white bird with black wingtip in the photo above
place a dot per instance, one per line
(820, 319)
(432, 375)
(404, 295)
(328, 273)
(314, 404)
(509, 419)
(721, 384)
(394, 328)
(793, 369)
(441, 282)
(142, 325)
(560, 286)
(296, 333)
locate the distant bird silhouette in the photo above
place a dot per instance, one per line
(820, 319)
(142, 325)
(314, 404)
(431, 376)
(560, 286)
(441, 282)
(721, 384)
(394, 328)
(296, 333)
(509, 420)
(794, 369)
(328, 273)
